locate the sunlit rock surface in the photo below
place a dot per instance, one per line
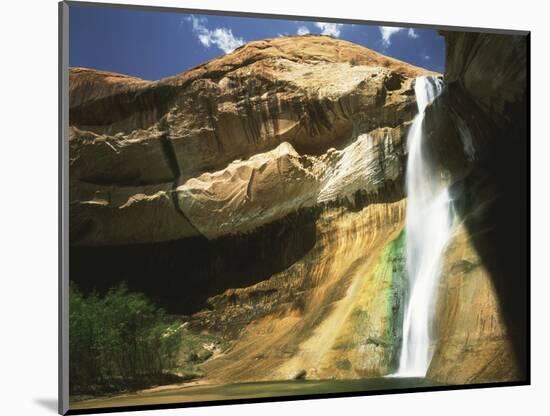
(219, 140)
(334, 313)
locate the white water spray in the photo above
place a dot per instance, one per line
(428, 228)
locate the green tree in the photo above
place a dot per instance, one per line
(119, 341)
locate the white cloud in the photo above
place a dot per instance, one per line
(412, 33)
(387, 32)
(330, 29)
(220, 37)
(302, 30)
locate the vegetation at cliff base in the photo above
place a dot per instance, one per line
(119, 341)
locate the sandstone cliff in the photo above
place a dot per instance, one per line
(235, 143)
(334, 313)
(478, 130)
(262, 193)
(472, 343)
(270, 179)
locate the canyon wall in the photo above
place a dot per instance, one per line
(240, 154)
(478, 130)
(262, 194)
(334, 313)
(251, 136)
(472, 343)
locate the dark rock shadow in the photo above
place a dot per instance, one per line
(181, 275)
(487, 90)
(493, 202)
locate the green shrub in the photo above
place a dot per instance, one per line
(119, 341)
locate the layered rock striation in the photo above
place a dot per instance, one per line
(251, 136)
(334, 313)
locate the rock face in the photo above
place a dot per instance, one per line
(483, 112)
(262, 194)
(159, 161)
(478, 130)
(334, 313)
(472, 342)
(271, 180)
(268, 186)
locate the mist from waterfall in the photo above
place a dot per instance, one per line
(428, 228)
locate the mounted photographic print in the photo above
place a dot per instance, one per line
(265, 208)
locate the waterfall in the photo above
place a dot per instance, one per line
(428, 228)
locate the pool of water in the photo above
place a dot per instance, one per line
(202, 393)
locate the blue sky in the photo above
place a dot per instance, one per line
(153, 45)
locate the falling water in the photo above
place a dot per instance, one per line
(428, 228)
